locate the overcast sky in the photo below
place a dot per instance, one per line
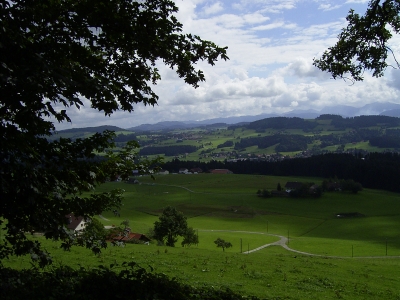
(271, 46)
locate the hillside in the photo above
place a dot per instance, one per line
(261, 139)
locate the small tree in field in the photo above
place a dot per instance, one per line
(171, 224)
(222, 244)
(190, 237)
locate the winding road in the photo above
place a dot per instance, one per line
(283, 241)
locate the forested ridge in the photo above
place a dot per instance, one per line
(374, 170)
(168, 150)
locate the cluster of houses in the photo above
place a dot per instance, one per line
(235, 157)
(196, 171)
(78, 223)
(293, 186)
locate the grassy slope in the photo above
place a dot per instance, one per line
(271, 273)
(228, 202)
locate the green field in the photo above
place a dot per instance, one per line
(348, 258)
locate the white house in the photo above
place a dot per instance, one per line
(75, 223)
(183, 171)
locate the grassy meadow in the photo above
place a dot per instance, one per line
(356, 258)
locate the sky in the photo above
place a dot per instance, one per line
(271, 46)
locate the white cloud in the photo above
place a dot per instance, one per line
(271, 47)
(213, 8)
(274, 26)
(303, 68)
(394, 81)
(277, 6)
(328, 7)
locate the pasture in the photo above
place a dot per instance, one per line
(229, 202)
(356, 257)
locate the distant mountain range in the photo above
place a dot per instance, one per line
(385, 109)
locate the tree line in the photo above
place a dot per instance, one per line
(373, 170)
(168, 150)
(339, 122)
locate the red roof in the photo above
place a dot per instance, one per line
(129, 236)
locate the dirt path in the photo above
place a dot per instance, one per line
(101, 217)
(283, 241)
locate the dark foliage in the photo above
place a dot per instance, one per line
(190, 237)
(222, 244)
(264, 193)
(226, 144)
(128, 281)
(329, 117)
(364, 43)
(374, 170)
(385, 141)
(56, 55)
(281, 123)
(97, 129)
(168, 150)
(123, 138)
(171, 224)
(365, 121)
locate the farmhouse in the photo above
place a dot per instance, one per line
(127, 236)
(183, 171)
(75, 223)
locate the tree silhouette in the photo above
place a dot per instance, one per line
(222, 244)
(171, 224)
(56, 55)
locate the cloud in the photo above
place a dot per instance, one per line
(328, 7)
(275, 25)
(213, 8)
(277, 6)
(271, 45)
(394, 80)
(228, 89)
(304, 68)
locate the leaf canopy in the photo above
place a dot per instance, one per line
(364, 43)
(58, 54)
